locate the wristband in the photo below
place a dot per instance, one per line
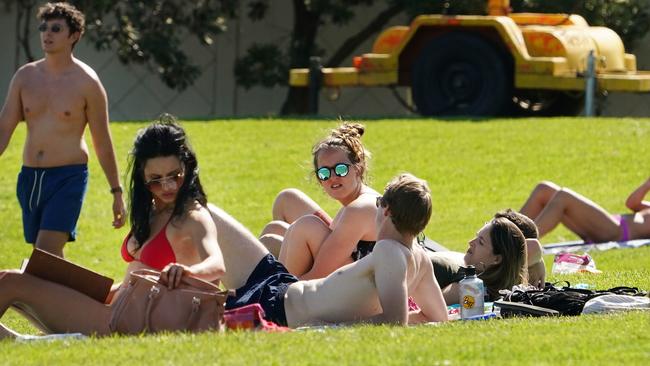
(117, 189)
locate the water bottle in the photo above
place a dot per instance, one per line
(471, 294)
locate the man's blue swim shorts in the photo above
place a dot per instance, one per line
(51, 198)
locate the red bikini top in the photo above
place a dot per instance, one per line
(156, 253)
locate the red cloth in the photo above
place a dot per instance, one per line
(412, 305)
(250, 317)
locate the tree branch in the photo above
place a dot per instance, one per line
(19, 16)
(355, 40)
(26, 8)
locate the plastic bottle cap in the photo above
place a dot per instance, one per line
(470, 271)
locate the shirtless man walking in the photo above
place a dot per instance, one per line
(57, 96)
(374, 289)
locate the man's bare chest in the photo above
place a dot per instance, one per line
(61, 99)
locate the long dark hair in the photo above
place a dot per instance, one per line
(508, 242)
(162, 138)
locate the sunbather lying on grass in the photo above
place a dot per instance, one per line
(550, 205)
(499, 254)
(534, 259)
(374, 289)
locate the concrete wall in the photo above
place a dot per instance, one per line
(136, 93)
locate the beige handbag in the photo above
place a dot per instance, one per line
(147, 306)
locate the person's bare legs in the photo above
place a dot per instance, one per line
(52, 241)
(57, 308)
(302, 243)
(273, 235)
(275, 227)
(538, 199)
(580, 215)
(18, 308)
(291, 204)
(272, 242)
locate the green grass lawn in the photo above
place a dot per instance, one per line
(473, 168)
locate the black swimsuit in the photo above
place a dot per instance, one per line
(363, 249)
(266, 285)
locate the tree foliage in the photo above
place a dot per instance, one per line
(629, 18)
(271, 68)
(417, 7)
(261, 66)
(23, 26)
(152, 33)
(149, 33)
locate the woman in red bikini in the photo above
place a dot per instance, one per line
(550, 205)
(305, 239)
(171, 231)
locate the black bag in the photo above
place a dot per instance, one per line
(509, 309)
(566, 300)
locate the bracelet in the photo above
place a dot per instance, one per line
(117, 189)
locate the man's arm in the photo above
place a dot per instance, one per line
(428, 296)
(635, 201)
(390, 278)
(340, 243)
(12, 112)
(97, 116)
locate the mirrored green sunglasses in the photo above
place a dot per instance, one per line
(325, 172)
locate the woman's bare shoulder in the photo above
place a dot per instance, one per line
(196, 216)
(366, 200)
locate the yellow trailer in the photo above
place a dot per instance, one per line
(493, 64)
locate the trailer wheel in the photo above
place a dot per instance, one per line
(548, 102)
(460, 74)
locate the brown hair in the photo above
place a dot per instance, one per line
(346, 137)
(75, 19)
(409, 201)
(508, 242)
(523, 222)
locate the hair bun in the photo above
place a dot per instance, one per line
(349, 129)
(166, 118)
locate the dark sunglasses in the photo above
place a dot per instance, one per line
(157, 184)
(55, 28)
(324, 173)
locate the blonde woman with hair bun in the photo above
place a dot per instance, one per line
(302, 235)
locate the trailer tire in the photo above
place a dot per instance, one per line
(460, 74)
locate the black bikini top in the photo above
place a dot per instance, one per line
(363, 249)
